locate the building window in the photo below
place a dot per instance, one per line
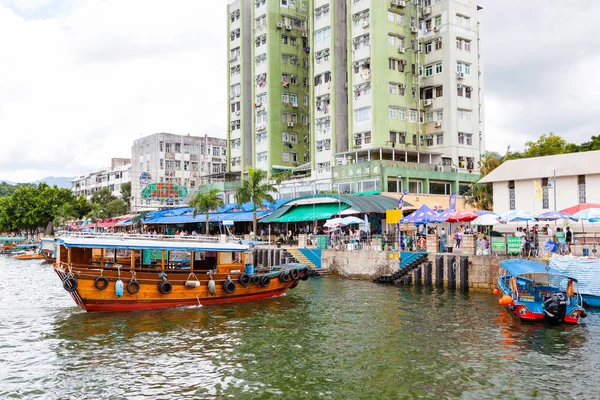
(545, 199)
(362, 114)
(438, 67)
(581, 188)
(439, 139)
(511, 195)
(440, 188)
(415, 187)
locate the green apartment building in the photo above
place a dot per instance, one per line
(389, 94)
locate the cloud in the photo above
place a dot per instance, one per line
(76, 89)
(540, 59)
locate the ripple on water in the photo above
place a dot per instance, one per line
(329, 338)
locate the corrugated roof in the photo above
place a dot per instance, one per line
(370, 203)
(572, 164)
(311, 212)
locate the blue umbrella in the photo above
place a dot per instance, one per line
(553, 215)
(517, 216)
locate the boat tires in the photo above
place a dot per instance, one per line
(265, 281)
(229, 286)
(133, 287)
(101, 282)
(284, 276)
(294, 274)
(165, 287)
(256, 279)
(293, 285)
(70, 284)
(245, 280)
(305, 274)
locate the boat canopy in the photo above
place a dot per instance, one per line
(11, 239)
(517, 267)
(148, 244)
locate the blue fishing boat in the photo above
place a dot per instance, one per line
(534, 292)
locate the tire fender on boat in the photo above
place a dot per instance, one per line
(306, 274)
(256, 279)
(293, 285)
(244, 280)
(133, 287)
(229, 286)
(101, 282)
(294, 274)
(70, 284)
(165, 287)
(284, 276)
(265, 281)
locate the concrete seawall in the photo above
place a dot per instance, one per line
(482, 270)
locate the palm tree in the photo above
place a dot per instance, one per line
(138, 220)
(255, 189)
(204, 201)
(63, 214)
(95, 214)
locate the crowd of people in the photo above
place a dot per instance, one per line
(530, 243)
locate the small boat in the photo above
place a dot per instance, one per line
(534, 292)
(165, 273)
(29, 255)
(9, 243)
(48, 250)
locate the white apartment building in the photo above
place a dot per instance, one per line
(111, 178)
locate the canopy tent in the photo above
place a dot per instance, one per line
(580, 207)
(517, 216)
(308, 212)
(553, 216)
(516, 267)
(201, 218)
(423, 215)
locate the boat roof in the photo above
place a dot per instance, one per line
(517, 267)
(148, 244)
(11, 239)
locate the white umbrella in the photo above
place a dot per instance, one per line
(352, 220)
(486, 220)
(334, 222)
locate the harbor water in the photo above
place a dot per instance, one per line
(328, 338)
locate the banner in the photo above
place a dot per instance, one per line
(539, 192)
(401, 200)
(452, 204)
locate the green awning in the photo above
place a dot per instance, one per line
(308, 212)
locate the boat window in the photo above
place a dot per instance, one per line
(231, 257)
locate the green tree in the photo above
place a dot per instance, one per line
(95, 214)
(138, 220)
(546, 145)
(64, 214)
(82, 206)
(102, 197)
(116, 207)
(126, 193)
(256, 189)
(480, 196)
(204, 201)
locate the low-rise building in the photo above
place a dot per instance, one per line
(111, 178)
(562, 181)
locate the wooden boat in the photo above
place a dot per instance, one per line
(29, 255)
(214, 273)
(533, 292)
(9, 243)
(48, 250)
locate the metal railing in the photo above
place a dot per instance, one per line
(147, 236)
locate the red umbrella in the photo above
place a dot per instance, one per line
(461, 216)
(580, 207)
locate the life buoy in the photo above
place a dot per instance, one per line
(229, 286)
(284, 276)
(306, 274)
(70, 284)
(422, 243)
(265, 281)
(570, 288)
(294, 274)
(245, 280)
(101, 282)
(165, 287)
(514, 288)
(133, 287)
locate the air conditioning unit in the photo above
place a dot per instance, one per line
(232, 59)
(460, 75)
(413, 29)
(401, 49)
(440, 168)
(427, 102)
(288, 27)
(237, 113)
(355, 40)
(395, 2)
(290, 124)
(402, 86)
(295, 105)
(237, 95)
(436, 28)
(258, 105)
(279, 25)
(304, 34)
(231, 97)
(426, 10)
(438, 124)
(401, 3)
(365, 24)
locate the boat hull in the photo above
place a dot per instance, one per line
(89, 298)
(591, 300)
(37, 256)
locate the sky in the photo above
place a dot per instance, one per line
(81, 79)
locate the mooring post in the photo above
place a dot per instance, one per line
(417, 273)
(277, 257)
(427, 271)
(439, 271)
(464, 274)
(451, 265)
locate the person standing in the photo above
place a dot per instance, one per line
(290, 238)
(458, 237)
(569, 239)
(561, 240)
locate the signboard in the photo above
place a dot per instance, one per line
(145, 178)
(498, 245)
(393, 216)
(514, 245)
(168, 192)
